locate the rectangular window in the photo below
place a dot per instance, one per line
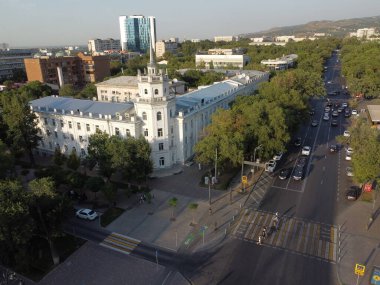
(78, 126)
(56, 134)
(80, 138)
(146, 132)
(171, 129)
(46, 121)
(70, 125)
(88, 127)
(161, 146)
(160, 133)
(97, 127)
(117, 131)
(53, 122)
(62, 124)
(72, 137)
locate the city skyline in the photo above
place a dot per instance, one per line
(39, 24)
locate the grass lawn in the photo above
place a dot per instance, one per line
(110, 215)
(367, 197)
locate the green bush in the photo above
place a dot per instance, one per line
(24, 172)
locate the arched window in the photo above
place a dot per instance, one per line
(146, 133)
(162, 161)
(159, 116)
(155, 91)
(171, 114)
(128, 133)
(144, 116)
(145, 91)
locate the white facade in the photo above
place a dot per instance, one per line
(171, 124)
(220, 61)
(225, 39)
(166, 46)
(364, 33)
(282, 63)
(99, 46)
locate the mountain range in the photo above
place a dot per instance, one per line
(338, 28)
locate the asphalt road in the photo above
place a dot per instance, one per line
(314, 199)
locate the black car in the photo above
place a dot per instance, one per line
(284, 173)
(301, 162)
(347, 113)
(312, 112)
(297, 142)
(314, 123)
(353, 194)
(334, 123)
(333, 148)
(298, 173)
(329, 104)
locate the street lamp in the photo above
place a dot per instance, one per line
(254, 156)
(209, 194)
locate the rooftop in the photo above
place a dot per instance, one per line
(374, 112)
(64, 104)
(120, 81)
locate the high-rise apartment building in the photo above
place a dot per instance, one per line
(98, 45)
(137, 33)
(76, 70)
(166, 46)
(11, 60)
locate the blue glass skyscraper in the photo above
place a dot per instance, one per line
(137, 33)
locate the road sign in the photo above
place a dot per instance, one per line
(189, 239)
(244, 179)
(359, 269)
(375, 278)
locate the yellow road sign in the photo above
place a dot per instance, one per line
(244, 179)
(359, 269)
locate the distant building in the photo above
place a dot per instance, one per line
(364, 33)
(267, 43)
(282, 63)
(76, 70)
(11, 60)
(225, 38)
(99, 46)
(220, 58)
(137, 33)
(262, 39)
(195, 40)
(4, 46)
(166, 46)
(287, 39)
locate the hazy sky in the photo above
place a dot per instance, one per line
(68, 22)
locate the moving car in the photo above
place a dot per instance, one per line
(284, 173)
(326, 117)
(297, 142)
(346, 133)
(347, 113)
(335, 114)
(344, 104)
(270, 166)
(333, 148)
(314, 123)
(306, 150)
(86, 214)
(327, 109)
(278, 156)
(334, 123)
(353, 194)
(312, 112)
(298, 173)
(349, 172)
(340, 109)
(354, 112)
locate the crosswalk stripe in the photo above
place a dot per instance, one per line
(332, 230)
(123, 243)
(304, 241)
(309, 240)
(248, 230)
(326, 252)
(116, 247)
(289, 232)
(256, 231)
(297, 235)
(237, 228)
(332, 251)
(283, 233)
(316, 239)
(275, 236)
(128, 239)
(301, 240)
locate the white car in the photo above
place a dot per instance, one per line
(270, 165)
(349, 150)
(86, 214)
(348, 156)
(344, 104)
(306, 150)
(329, 82)
(346, 133)
(278, 156)
(354, 112)
(326, 117)
(349, 172)
(327, 109)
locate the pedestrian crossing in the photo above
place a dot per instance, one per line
(120, 243)
(295, 235)
(259, 190)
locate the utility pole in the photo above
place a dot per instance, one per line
(254, 157)
(209, 195)
(216, 162)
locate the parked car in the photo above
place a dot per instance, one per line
(346, 133)
(327, 109)
(354, 112)
(334, 123)
(333, 148)
(86, 214)
(278, 156)
(344, 104)
(314, 123)
(340, 109)
(349, 150)
(348, 156)
(335, 114)
(329, 103)
(301, 161)
(349, 172)
(284, 173)
(298, 173)
(270, 166)
(353, 193)
(306, 150)
(297, 141)
(312, 112)
(347, 113)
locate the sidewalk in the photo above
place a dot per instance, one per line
(357, 244)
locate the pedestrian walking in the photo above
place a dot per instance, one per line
(259, 240)
(264, 234)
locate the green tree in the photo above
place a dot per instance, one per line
(34, 90)
(67, 90)
(16, 225)
(193, 207)
(73, 161)
(98, 151)
(22, 125)
(109, 191)
(94, 184)
(7, 161)
(58, 158)
(173, 202)
(47, 209)
(88, 92)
